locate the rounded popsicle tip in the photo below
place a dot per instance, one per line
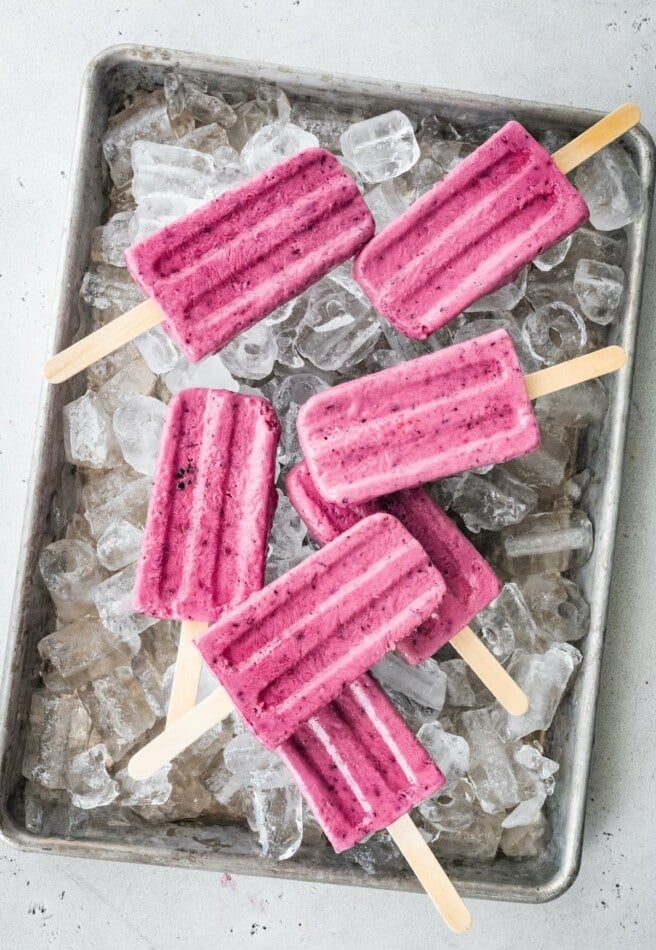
(616, 357)
(52, 371)
(459, 921)
(139, 767)
(632, 112)
(516, 701)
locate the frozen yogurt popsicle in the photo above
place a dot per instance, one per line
(292, 647)
(433, 416)
(358, 765)
(470, 234)
(209, 516)
(211, 506)
(221, 268)
(470, 582)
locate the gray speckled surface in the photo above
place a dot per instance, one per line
(591, 53)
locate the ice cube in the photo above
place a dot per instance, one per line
(381, 147)
(459, 690)
(119, 710)
(450, 810)
(133, 379)
(555, 332)
(89, 439)
(113, 601)
(597, 246)
(337, 332)
(424, 684)
(287, 397)
(449, 752)
(385, 202)
(103, 369)
(71, 572)
(58, 729)
(145, 119)
(89, 782)
(152, 791)
(273, 143)
(151, 664)
(83, 650)
(575, 407)
(171, 170)
(491, 502)
(110, 288)
(138, 424)
(551, 540)
(507, 623)
(206, 138)
(612, 188)
(544, 677)
(288, 531)
(325, 121)
(250, 118)
(251, 355)
(599, 289)
(156, 211)
(209, 373)
(504, 298)
(554, 255)
(50, 813)
(158, 350)
(559, 607)
(479, 841)
(110, 241)
(273, 102)
(524, 841)
(544, 468)
(129, 502)
(119, 544)
(276, 816)
(526, 813)
(490, 769)
(187, 98)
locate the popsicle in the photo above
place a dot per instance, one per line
(293, 646)
(209, 516)
(220, 269)
(458, 408)
(361, 769)
(470, 582)
(476, 228)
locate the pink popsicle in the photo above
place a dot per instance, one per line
(470, 234)
(470, 582)
(358, 765)
(293, 646)
(211, 506)
(220, 269)
(433, 416)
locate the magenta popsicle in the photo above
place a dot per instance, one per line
(358, 765)
(220, 269)
(470, 582)
(470, 234)
(293, 646)
(433, 416)
(211, 506)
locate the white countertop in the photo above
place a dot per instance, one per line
(594, 53)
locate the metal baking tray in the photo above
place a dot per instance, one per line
(229, 847)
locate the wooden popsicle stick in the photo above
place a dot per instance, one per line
(602, 133)
(489, 671)
(590, 366)
(186, 673)
(93, 347)
(430, 874)
(180, 735)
